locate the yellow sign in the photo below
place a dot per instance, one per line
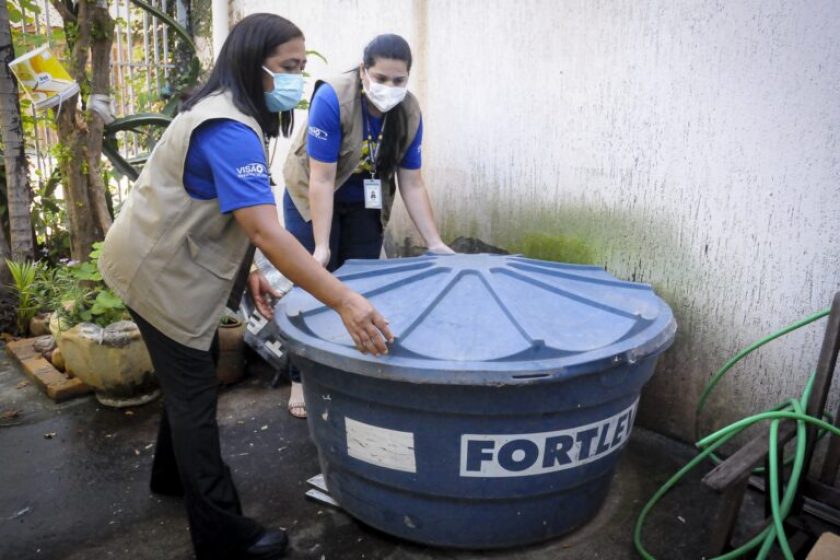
(43, 78)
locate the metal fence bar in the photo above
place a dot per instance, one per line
(120, 78)
(146, 51)
(130, 86)
(42, 129)
(42, 132)
(46, 13)
(112, 74)
(165, 8)
(39, 162)
(156, 41)
(130, 45)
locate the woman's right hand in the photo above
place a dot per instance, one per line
(368, 329)
(322, 255)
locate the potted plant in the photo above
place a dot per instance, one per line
(32, 284)
(231, 365)
(97, 339)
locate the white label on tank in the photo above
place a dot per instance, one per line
(380, 446)
(504, 455)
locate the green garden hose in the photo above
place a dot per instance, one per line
(791, 410)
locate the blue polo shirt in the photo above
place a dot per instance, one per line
(323, 141)
(226, 161)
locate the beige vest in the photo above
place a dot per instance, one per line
(170, 257)
(348, 89)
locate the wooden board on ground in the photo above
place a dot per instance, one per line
(55, 384)
(827, 548)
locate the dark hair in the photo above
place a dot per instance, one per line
(238, 69)
(396, 125)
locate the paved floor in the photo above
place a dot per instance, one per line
(73, 485)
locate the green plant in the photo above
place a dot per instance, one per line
(229, 321)
(46, 287)
(23, 278)
(81, 296)
(49, 219)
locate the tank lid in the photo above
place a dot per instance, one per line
(484, 318)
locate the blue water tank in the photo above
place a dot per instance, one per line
(498, 416)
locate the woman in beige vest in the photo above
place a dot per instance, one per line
(362, 141)
(175, 252)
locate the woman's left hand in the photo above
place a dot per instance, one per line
(262, 293)
(441, 249)
(413, 191)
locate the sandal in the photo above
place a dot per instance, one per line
(297, 406)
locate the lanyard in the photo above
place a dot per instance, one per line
(270, 158)
(373, 147)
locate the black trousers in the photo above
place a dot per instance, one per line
(188, 457)
(356, 233)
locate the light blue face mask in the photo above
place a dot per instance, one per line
(287, 92)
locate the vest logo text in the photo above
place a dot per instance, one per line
(507, 455)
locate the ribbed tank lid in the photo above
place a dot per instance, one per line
(483, 319)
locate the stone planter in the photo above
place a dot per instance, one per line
(114, 361)
(231, 366)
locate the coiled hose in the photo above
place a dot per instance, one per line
(793, 409)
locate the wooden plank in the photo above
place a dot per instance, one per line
(827, 548)
(740, 463)
(814, 507)
(723, 522)
(798, 542)
(820, 492)
(831, 464)
(822, 378)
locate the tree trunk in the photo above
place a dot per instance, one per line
(17, 171)
(102, 36)
(73, 133)
(5, 273)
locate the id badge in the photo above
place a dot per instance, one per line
(373, 194)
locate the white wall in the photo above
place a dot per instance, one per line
(694, 145)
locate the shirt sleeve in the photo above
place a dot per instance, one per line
(323, 134)
(412, 159)
(236, 160)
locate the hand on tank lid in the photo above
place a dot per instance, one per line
(440, 249)
(367, 327)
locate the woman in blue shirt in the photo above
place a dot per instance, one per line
(172, 254)
(348, 217)
(338, 212)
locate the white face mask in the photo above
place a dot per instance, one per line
(383, 97)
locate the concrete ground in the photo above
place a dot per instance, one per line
(73, 485)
